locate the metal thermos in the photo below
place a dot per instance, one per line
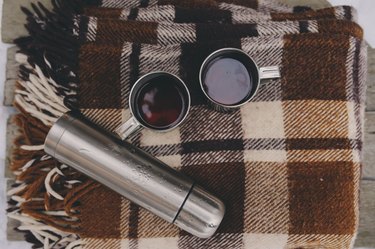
(135, 174)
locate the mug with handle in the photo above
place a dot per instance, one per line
(230, 78)
(159, 101)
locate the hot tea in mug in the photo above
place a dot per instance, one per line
(158, 101)
(230, 78)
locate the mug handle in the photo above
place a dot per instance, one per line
(128, 128)
(266, 73)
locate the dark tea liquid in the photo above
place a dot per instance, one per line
(227, 81)
(160, 102)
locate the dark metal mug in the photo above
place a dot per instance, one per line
(159, 101)
(230, 78)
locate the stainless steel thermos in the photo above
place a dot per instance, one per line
(136, 175)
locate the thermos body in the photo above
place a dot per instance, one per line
(135, 174)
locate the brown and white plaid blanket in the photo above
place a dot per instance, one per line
(287, 164)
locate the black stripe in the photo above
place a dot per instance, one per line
(299, 9)
(356, 89)
(134, 63)
(133, 14)
(133, 225)
(209, 32)
(264, 144)
(303, 26)
(184, 15)
(356, 94)
(93, 2)
(212, 145)
(348, 13)
(83, 28)
(143, 3)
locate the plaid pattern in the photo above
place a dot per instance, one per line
(287, 164)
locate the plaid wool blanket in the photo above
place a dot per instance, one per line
(287, 164)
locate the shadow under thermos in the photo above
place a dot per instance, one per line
(135, 174)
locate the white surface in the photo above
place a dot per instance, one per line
(366, 16)
(366, 13)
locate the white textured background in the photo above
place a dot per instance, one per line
(366, 14)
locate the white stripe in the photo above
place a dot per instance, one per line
(92, 28)
(124, 14)
(125, 73)
(339, 12)
(157, 14)
(156, 59)
(277, 28)
(313, 26)
(174, 34)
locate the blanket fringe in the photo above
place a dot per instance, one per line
(44, 196)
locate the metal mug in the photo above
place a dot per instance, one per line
(159, 101)
(230, 78)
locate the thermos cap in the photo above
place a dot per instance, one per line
(201, 214)
(135, 174)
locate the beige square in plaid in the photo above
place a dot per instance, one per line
(93, 243)
(265, 241)
(265, 155)
(352, 129)
(173, 161)
(151, 138)
(158, 243)
(316, 119)
(263, 120)
(266, 199)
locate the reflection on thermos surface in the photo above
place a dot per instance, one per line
(134, 174)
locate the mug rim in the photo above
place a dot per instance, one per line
(138, 82)
(209, 57)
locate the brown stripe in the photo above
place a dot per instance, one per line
(318, 143)
(314, 80)
(108, 226)
(99, 74)
(321, 198)
(119, 31)
(340, 27)
(193, 4)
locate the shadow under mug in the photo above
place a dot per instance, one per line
(159, 101)
(230, 78)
